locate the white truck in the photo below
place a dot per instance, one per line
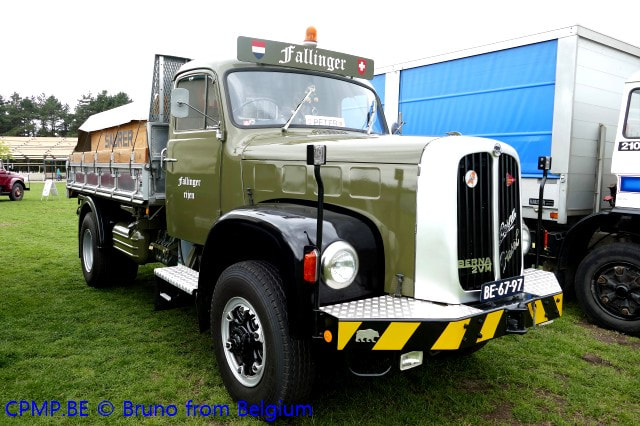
(601, 253)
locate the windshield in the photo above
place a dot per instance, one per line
(270, 99)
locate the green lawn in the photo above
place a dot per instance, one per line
(61, 340)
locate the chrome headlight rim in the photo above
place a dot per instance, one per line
(526, 239)
(329, 256)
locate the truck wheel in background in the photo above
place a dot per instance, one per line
(17, 192)
(257, 357)
(608, 286)
(102, 267)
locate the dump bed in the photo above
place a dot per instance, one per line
(118, 151)
(118, 157)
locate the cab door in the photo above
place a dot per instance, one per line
(193, 161)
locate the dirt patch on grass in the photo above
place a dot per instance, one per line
(502, 414)
(595, 359)
(610, 336)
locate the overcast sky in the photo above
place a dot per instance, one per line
(69, 48)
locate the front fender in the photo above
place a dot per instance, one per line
(278, 233)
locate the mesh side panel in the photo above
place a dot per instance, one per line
(165, 67)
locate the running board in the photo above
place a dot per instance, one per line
(171, 285)
(186, 279)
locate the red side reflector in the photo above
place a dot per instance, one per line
(309, 268)
(553, 215)
(546, 240)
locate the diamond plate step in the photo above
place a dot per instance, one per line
(186, 279)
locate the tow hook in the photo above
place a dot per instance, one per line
(518, 319)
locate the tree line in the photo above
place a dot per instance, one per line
(47, 116)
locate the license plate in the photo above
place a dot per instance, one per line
(501, 288)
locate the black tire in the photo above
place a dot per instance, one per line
(608, 287)
(249, 325)
(102, 267)
(17, 192)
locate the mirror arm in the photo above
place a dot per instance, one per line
(199, 112)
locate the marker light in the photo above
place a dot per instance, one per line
(339, 265)
(309, 266)
(312, 36)
(328, 336)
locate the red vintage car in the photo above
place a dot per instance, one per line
(11, 184)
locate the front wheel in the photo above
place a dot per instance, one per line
(608, 287)
(258, 359)
(17, 192)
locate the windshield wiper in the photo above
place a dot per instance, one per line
(310, 90)
(372, 116)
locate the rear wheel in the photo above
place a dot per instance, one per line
(257, 357)
(17, 192)
(102, 267)
(608, 287)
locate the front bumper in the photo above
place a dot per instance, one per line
(388, 323)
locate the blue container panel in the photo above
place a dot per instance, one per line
(506, 95)
(378, 83)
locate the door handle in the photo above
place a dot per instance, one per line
(164, 159)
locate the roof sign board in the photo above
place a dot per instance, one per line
(305, 57)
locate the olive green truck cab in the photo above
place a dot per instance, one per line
(270, 188)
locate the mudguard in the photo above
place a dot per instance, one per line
(278, 233)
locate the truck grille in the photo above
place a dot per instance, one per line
(509, 234)
(476, 235)
(475, 227)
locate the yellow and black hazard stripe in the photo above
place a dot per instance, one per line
(443, 335)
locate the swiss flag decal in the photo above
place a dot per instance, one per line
(362, 66)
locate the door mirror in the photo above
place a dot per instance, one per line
(180, 102)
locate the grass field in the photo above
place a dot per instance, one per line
(61, 340)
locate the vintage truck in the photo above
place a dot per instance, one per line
(12, 184)
(271, 189)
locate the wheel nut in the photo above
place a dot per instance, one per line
(602, 279)
(625, 311)
(239, 370)
(227, 345)
(605, 299)
(256, 336)
(619, 270)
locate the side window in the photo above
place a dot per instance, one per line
(203, 96)
(196, 87)
(632, 123)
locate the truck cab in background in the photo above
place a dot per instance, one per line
(11, 184)
(601, 254)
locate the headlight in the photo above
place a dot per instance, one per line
(339, 265)
(526, 239)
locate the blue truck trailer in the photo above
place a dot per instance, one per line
(554, 94)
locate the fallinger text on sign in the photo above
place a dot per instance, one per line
(305, 57)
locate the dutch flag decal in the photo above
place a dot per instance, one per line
(258, 48)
